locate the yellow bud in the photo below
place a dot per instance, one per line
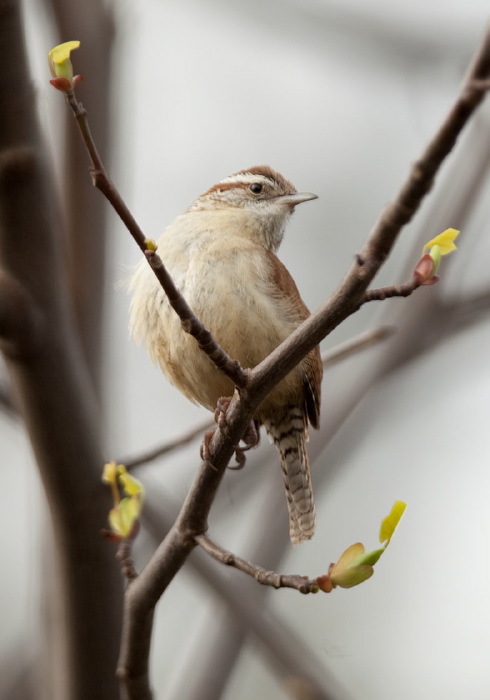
(444, 240)
(131, 486)
(109, 475)
(60, 63)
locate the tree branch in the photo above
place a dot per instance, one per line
(262, 576)
(53, 387)
(399, 290)
(190, 323)
(144, 592)
(419, 326)
(125, 558)
(358, 344)
(287, 653)
(185, 439)
(92, 22)
(349, 296)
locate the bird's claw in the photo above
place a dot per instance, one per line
(251, 438)
(205, 451)
(220, 413)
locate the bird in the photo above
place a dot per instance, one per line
(221, 254)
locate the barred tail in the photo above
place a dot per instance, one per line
(290, 435)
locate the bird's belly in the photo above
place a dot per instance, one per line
(243, 318)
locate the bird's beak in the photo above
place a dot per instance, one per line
(297, 198)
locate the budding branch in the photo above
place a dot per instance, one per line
(188, 531)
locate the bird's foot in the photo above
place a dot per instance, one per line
(204, 449)
(222, 406)
(251, 438)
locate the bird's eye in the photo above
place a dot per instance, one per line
(256, 187)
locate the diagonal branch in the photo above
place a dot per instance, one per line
(190, 323)
(355, 345)
(144, 592)
(84, 211)
(185, 439)
(349, 296)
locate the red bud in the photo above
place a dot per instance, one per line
(324, 583)
(424, 271)
(62, 84)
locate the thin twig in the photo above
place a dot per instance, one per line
(400, 290)
(125, 558)
(164, 449)
(93, 23)
(190, 323)
(284, 649)
(266, 578)
(356, 345)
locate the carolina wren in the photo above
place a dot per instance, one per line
(221, 255)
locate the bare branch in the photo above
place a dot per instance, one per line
(400, 290)
(266, 578)
(85, 232)
(190, 323)
(174, 444)
(356, 345)
(125, 558)
(349, 296)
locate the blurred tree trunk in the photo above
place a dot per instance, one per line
(52, 366)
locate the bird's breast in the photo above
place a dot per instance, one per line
(226, 280)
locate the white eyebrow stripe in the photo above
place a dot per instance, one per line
(245, 179)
